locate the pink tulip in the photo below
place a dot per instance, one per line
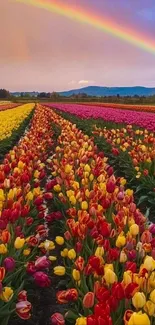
(42, 263)
(41, 279)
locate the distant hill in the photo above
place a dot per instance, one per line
(111, 91)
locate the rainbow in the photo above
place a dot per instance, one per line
(101, 23)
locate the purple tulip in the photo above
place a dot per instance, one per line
(141, 119)
(9, 264)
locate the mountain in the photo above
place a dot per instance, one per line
(110, 91)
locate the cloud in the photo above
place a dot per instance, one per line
(85, 82)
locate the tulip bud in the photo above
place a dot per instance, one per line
(41, 279)
(139, 300)
(59, 270)
(76, 275)
(139, 318)
(71, 254)
(123, 257)
(57, 319)
(110, 186)
(88, 300)
(19, 243)
(134, 229)
(9, 264)
(110, 277)
(59, 240)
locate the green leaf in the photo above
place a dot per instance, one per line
(142, 199)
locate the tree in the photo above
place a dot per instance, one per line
(4, 94)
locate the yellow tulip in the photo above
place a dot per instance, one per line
(99, 251)
(149, 263)
(21, 164)
(76, 275)
(87, 168)
(26, 252)
(59, 270)
(71, 254)
(152, 279)
(36, 174)
(134, 229)
(139, 300)
(68, 169)
(64, 252)
(120, 241)
(91, 177)
(6, 294)
(149, 308)
(81, 321)
(127, 277)
(84, 205)
(59, 240)
(29, 196)
(108, 267)
(19, 243)
(139, 319)
(3, 249)
(48, 245)
(57, 188)
(110, 277)
(72, 199)
(2, 196)
(152, 296)
(52, 258)
(129, 192)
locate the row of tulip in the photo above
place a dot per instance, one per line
(139, 144)
(141, 119)
(4, 106)
(109, 248)
(24, 246)
(140, 108)
(4, 102)
(131, 151)
(11, 119)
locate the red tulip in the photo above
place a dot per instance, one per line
(23, 309)
(79, 263)
(130, 290)
(2, 273)
(110, 186)
(30, 268)
(38, 200)
(22, 295)
(131, 266)
(48, 196)
(78, 247)
(66, 296)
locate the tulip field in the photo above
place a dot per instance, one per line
(77, 208)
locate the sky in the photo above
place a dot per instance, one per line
(45, 51)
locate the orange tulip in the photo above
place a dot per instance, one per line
(5, 236)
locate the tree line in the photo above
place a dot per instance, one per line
(81, 97)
